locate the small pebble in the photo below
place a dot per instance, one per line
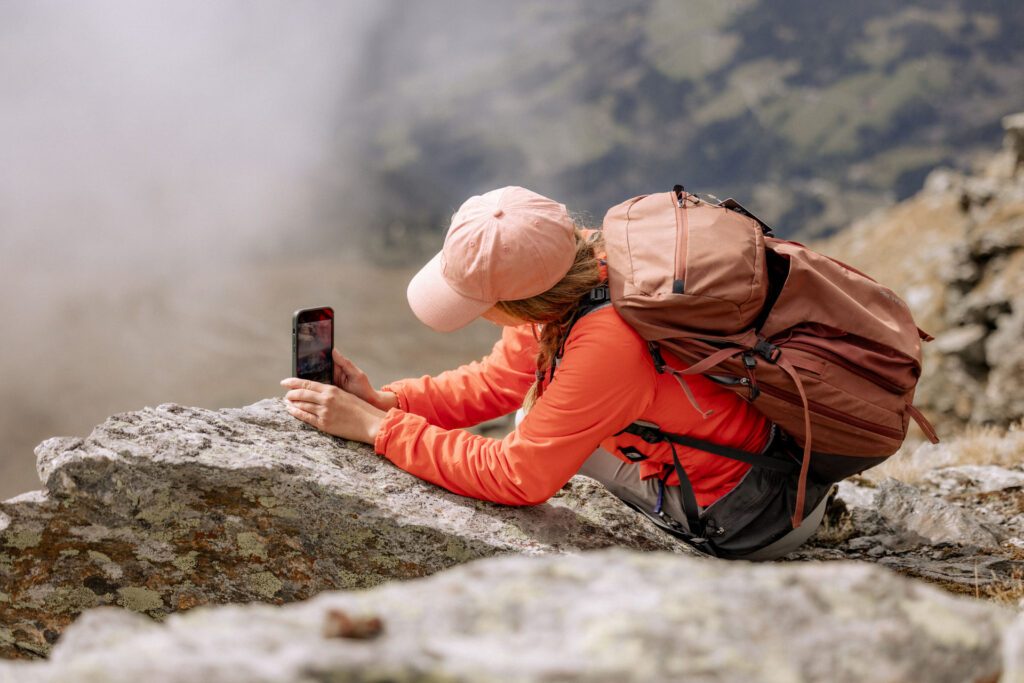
(339, 624)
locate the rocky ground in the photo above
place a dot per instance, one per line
(171, 508)
(608, 616)
(963, 529)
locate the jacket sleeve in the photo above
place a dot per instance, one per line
(603, 383)
(479, 391)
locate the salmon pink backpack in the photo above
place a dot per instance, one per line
(828, 354)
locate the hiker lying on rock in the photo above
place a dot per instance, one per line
(579, 375)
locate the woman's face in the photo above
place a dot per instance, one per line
(499, 317)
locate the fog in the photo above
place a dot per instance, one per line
(167, 131)
(165, 168)
(177, 177)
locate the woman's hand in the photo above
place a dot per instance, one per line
(332, 410)
(353, 380)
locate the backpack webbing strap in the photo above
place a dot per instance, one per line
(650, 433)
(772, 354)
(922, 422)
(801, 487)
(689, 502)
(688, 499)
(654, 435)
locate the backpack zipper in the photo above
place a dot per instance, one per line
(832, 413)
(679, 279)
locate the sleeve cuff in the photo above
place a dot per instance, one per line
(387, 423)
(396, 389)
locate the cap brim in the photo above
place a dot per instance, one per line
(438, 305)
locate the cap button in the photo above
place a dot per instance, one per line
(498, 213)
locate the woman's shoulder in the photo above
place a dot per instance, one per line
(606, 328)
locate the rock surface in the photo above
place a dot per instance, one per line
(604, 616)
(961, 527)
(955, 252)
(171, 507)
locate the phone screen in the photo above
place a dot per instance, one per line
(314, 341)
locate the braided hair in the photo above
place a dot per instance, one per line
(556, 309)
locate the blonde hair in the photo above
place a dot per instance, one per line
(556, 309)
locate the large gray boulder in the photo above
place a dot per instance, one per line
(610, 616)
(169, 508)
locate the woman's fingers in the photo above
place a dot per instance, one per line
(350, 378)
(314, 408)
(308, 418)
(307, 384)
(334, 411)
(346, 366)
(305, 395)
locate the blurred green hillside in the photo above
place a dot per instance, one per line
(813, 113)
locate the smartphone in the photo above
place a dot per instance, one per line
(731, 203)
(312, 343)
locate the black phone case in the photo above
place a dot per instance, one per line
(296, 317)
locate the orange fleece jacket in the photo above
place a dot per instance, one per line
(605, 381)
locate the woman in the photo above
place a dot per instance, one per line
(516, 259)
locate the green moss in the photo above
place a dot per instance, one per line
(268, 501)
(160, 508)
(459, 551)
(73, 600)
(252, 544)
(287, 512)
(97, 556)
(139, 599)
(39, 649)
(265, 584)
(24, 539)
(69, 552)
(4, 597)
(186, 563)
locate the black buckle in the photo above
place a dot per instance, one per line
(749, 362)
(650, 433)
(770, 352)
(599, 294)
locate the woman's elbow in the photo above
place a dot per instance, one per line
(521, 498)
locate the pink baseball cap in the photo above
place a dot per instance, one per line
(504, 245)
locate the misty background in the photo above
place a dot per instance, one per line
(177, 177)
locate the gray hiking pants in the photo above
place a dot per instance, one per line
(623, 479)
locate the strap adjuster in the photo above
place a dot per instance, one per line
(659, 361)
(648, 431)
(599, 294)
(770, 352)
(649, 434)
